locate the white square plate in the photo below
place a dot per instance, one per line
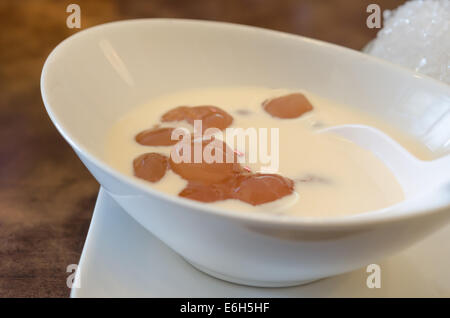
(121, 259)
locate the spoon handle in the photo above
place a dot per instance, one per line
(437, 172)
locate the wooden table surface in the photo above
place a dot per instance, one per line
(46, 194)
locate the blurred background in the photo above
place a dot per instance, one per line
(46, 194)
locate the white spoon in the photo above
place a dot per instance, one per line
(414, 175)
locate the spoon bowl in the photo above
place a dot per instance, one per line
(414, 175)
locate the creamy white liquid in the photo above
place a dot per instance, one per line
(354, 179)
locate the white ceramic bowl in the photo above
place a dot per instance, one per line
(94, 77)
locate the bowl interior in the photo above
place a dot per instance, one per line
(94, 77)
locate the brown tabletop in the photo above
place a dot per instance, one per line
(46, 194)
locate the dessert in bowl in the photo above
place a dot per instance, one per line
(107, 87)
(283, 164)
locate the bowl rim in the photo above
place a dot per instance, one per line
(367, 218)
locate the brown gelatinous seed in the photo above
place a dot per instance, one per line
(211, 116)
(243, 112)
(206, 171)
(311, 178)
(150, 166)
(288, 106)
(258, 189)
(202, 192)
(156, 137)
